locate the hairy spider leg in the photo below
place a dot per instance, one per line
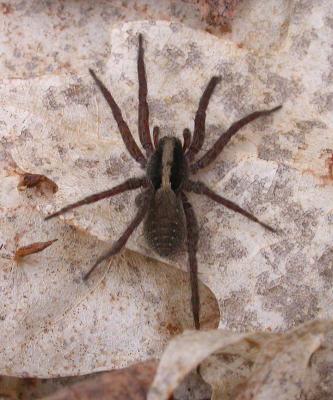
(200, 119)
(143, 116)
(211, 154)
(120, 243)
(200, 188)
(187, 139)
(124, 130)
(156, 136)
(129, 184)
(192, 247)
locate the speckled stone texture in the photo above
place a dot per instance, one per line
(53, 121)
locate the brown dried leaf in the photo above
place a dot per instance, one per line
(32, 249)
(130, 383)
(36, 180)
(32, 388)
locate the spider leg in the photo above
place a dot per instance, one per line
(143, 117)
(200, 119)
(201, 188)
(129, 184)
(156, 135)
(187, 139)
(120, 243)
(125, 132)
(211, 154)
(192, 246)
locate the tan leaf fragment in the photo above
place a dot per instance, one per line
(258, 366)
(184, 353)
(281, 369)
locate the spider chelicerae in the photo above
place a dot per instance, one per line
(169, 218)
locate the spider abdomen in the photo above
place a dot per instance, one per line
(165, 226)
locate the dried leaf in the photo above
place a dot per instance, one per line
(35, 180)
(32, 248)
(57, 124)
(125, 313)
(273, 277)
(131, 383)
(184, 353)
(282, 367)
(32, 388)
(257, 366)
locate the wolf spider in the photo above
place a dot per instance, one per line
(168, 215)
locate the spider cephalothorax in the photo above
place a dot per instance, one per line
(168, 216)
